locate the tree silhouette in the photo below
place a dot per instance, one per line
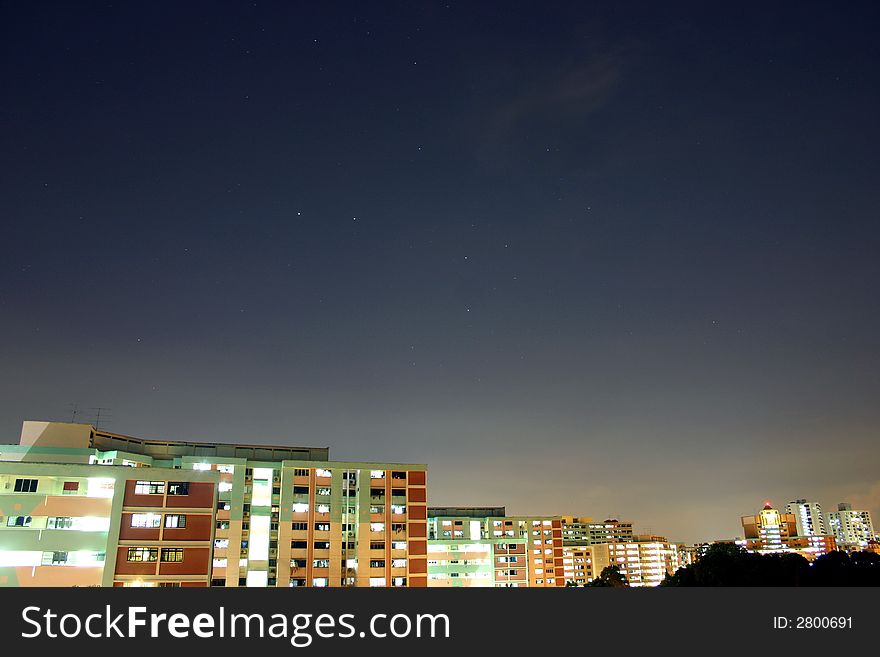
(610, 577)
(725, 564)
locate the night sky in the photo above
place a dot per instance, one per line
(607, 259)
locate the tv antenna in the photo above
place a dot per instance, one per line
(74, 411)
(100, 412)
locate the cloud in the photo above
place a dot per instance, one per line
(575, 92)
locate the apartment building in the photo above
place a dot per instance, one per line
(99, 525)
(577, 564)
(279, 516)
(643, 563)
(853, 529)
(809, 518)
(585, 531)
(483, 547)
(772, 532)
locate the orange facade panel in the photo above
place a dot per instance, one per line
(200, 495)
(74, 506)
(416, 477)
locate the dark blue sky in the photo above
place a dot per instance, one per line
(582, 258)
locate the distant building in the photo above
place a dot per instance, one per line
(643, 563)
(772, 532)
(483, 547)
(809, 518)
(585, 531)
(577, 564)
(852, 528)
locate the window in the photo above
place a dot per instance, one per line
(377, 545)
(398, 563)
(299, 526)
(322, 508)
(377, 563)
(300, 490)
(54, 558)
(398, 527)
(377, 526)
(201, 466)
(322, 545)
(178, 488)
(172, 555)
(70, 487)
(149, 488)
(321, 563)
(299, 545)
(322, 526)
(143, 554)
(169, 585)
(145, 520)
(175, 521)
(377, 474)
(226, 469)
(398, 545)
(300, 472)
(300, 507)
(322, 491)
(59, 523)
(398, 508)
(398, 475)
(18, 521)
(221, 543)
(322, 472)
(25, 485)
(378, 508)
(223, 524)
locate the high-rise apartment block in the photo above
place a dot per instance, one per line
(642, 562)
(483, 547)
(193, 514)
(808, 516)
(772, 532)
(852, 528)
(585, 531)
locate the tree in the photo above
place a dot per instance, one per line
(727, 564)
(610, 577)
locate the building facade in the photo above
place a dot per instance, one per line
(852, 528)
(772, 532)
(483, 547)
(94, 525)
(809, 519)
(585, 531)
(277, 516)
(643, 563)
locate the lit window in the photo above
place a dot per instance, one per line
(178, 488)
(143, 554)
(172, 555)
(145, 520)
(149, 488)
(175, 521)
